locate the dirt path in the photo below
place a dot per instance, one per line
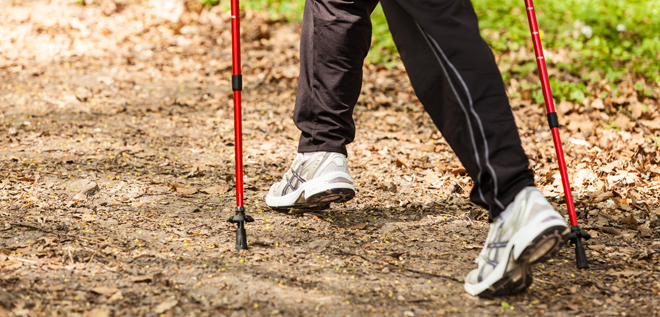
(117, 175)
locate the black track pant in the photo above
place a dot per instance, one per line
(453, 73)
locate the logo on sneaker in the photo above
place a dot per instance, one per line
(486, 255)
(299, 180)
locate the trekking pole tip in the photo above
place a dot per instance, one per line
(576, 238)
(240, 218)
(581, 257)
(241, 238)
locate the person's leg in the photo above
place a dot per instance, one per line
(454, 75)
(335, 39)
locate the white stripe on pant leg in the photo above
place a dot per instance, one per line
(474, 113)
(467, 116)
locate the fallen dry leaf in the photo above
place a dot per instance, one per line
(631, 221)
(10, 265)
(358, 226)
(603, 197)
(165, 306)
(186, 191)
(97, 312)
(626, 273)
(218, 189)
(610, 230)
(104, 290)
(141, 278)
(431, 178)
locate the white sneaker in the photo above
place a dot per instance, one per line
(314, 181)
(532, 232)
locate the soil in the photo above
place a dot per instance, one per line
(117, 178)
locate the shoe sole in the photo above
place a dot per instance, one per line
(334, 195)
(303, 208)
(514, 282)
(321, 200)
(544, 247)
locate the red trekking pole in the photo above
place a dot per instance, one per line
(240, 218)
(576, 234)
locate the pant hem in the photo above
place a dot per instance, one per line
(508, 198)
(307, 149)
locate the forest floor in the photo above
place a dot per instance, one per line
(117, 178)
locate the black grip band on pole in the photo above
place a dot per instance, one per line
(237, 82)
(553, 121)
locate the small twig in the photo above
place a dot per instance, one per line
(120, 153)
(187, 196)
(391, 266)
(91, 257)
(605, 267)
(131, 163)
(602, 289)
(466, 216)
(59, 235)
(23, 260)
(624, 111)
(151, 194)
(70, 256)
(431, 274)
(12, 247)
(126, 160)
(31, 227)
(644, 255)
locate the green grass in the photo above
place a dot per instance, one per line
(277, 9)
(383, 50)
(615, 38)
